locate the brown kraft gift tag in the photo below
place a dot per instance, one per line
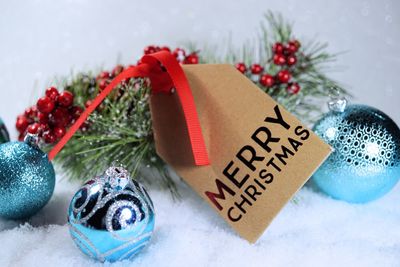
(260, 154)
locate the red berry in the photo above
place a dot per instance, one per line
(149, 50)
(291, 60)
(49, 137)
(117, 70)
(165, 48)
(52, 92)
(102, 85)
(31, 112)
(241, 67)
(21, 137)
(267, 80)
(88, 103)
(284, 76)
(279, 59)
(22, 123)
(66, 99)
(43, 128)
(59, 131)
(60, 117)
(277, 48)
(293, 88)
(45, 104)
(293, 46)
(193, 58)
(76, 112)
(34, 128)
(179, 53)
(256, 69)
(103, 75)
(296, 43)
(43, 117)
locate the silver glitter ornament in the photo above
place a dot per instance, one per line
(27, 179)
(365, 164)
(111, 218)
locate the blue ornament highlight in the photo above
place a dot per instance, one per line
(111, 218)
(27, 179)
(365, 164)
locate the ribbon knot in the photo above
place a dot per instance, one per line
(164, 73)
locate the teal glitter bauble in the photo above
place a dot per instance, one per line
(4, 137)
(27, 179)
(365, 164)
(111, 217)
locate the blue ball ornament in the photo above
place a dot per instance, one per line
(365, 164)
(111, 218)
(27, 179)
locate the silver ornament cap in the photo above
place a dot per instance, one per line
(117, 178)
(337, 104)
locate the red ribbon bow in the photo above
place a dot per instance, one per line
(161, 81)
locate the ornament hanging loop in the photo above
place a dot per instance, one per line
(337, 102)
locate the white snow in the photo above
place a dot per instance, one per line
(317, 231)
(43, 38)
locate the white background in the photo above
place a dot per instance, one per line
(41, 39)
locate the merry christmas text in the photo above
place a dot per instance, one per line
(251, 172)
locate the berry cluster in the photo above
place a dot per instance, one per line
(284, 56)
(179, 53)
(55, 112)
(105, 77)
(50, 117)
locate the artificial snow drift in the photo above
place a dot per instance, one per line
(311, 231)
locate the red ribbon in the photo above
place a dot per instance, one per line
(161, 81)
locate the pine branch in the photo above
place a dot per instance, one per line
(121, 129)
(313, 62)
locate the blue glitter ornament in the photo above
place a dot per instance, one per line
(365, 164)
(4, 137)
(111, 218)
(27, 179)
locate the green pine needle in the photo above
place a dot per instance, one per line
(120, 130)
